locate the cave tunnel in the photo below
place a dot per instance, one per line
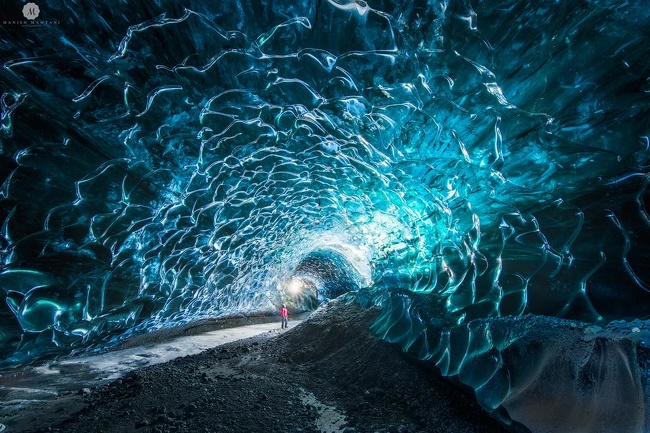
(477, 170)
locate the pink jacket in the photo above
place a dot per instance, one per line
(285, 312)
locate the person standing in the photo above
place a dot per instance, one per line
(285, 316)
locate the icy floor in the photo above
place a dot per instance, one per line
(21, 387)
(329, 419)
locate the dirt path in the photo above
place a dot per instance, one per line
(23, 387)
(326, 375)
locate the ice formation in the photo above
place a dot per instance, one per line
(477, 169)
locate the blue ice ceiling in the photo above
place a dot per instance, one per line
(478, 169)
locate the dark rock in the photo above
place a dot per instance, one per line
(339, 362)
(142, 423)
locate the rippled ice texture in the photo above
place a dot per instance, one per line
(475, 168)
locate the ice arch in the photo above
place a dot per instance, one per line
(478, 170)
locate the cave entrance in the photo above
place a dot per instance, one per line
(323, 274)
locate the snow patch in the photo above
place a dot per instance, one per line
(330, 419)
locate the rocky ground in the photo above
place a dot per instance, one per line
(327, 375)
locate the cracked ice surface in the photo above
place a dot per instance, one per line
(478, 170)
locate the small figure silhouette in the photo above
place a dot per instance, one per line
(285, 316)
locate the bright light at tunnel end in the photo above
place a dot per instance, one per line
(295, 286)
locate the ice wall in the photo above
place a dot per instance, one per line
(479, 169)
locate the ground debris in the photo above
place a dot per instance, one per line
(327, 375)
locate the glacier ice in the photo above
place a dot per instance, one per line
(480, 171)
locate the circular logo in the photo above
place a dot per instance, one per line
(31, 11)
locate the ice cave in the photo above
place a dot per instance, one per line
(478, 170)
